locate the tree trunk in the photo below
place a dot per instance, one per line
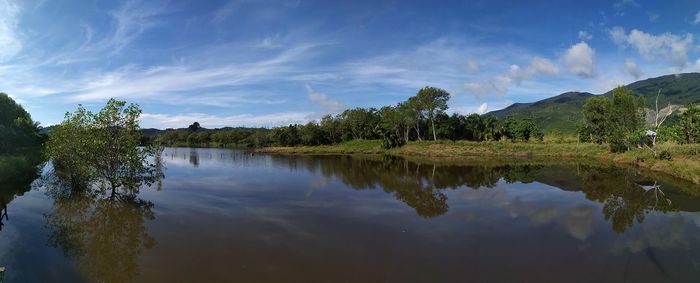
(432, 121)
(418, 131)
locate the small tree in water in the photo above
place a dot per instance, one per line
(103, 149)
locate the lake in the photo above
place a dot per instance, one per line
(229, 216)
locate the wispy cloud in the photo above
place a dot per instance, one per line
(132, 81)
(10, 43)
(131, 20)
(329, 105)
(584, 35)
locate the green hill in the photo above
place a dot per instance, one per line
(561, 113)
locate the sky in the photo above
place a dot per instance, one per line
(274, 62)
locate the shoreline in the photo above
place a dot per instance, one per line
(684, 165)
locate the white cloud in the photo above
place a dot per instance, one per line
(580, 59)
(133, 82)
(482, 108)
(498, 85)
(329, 105)
(584, 35)
(10, 43)
(618, 36)
(485, 88)
(543, 66)
(670, 47)
(163, 121)
(538, 66)
(131, 20)
(697, 18)
(632, 69)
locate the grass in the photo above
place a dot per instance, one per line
(685, 162)
(351, 147)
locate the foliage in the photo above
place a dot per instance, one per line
(615, 121)
(17, 129)
(688, 126)
(394, 125)
(194, 127)
(433, 101)
(103, 148)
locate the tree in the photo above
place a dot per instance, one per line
(406, 118)
(626, 117)
(415, 107)
(474, 127)
(104, 148)
(688, 125)
(194, 127)
(612, 121)
(433, 101)
(16, 126)
(596, 115)
(360, 122)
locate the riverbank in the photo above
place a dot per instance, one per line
(684, 163)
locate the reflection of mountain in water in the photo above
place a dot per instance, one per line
(626, 196)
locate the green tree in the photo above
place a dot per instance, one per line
(17, 129)
(360, 122)
(596, 114)
(627, 118)
(432, 101)
(688, 126)
(414, 109)
(194, 127)
(474, 127)
(615, 121)
(104, 148)
(492, 128)
(390, 127)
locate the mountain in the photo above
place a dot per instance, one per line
(561, 113)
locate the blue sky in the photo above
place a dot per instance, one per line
(272, 62)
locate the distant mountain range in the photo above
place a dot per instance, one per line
(562, 112)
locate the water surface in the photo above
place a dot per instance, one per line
(229, 216)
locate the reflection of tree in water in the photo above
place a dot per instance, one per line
(103, 233)
(624, 200)
(17, 173)
(420, 186)
(105, 236)
(194, 157)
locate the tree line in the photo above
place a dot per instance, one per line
(421, 117)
